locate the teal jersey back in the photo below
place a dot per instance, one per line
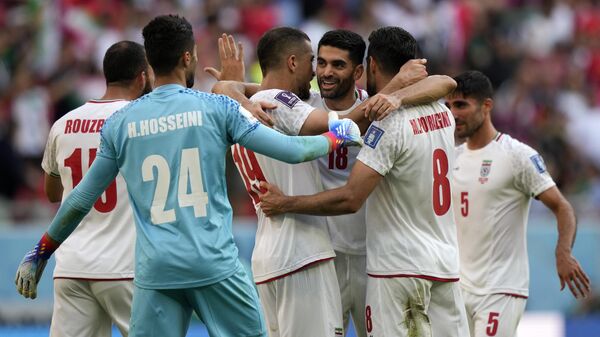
(170, 147)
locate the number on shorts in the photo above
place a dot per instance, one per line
(75, 163)
(464, 201)
(190, 174)
(369, 322)
(492, 326)
(441, 184)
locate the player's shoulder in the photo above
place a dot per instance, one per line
(208, 97)
(513, 146)
(284, 97)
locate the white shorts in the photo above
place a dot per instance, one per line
(494, 315)
(352, 277)
(409, 306)
(304, 303)
(89, 308)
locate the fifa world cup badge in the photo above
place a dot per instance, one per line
(484, 172)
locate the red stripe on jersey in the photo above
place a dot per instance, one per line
(499, 136)
(514, 295)
(306, 266)
(251, 173)
(94, 279)
(100, 101)
(426, 277)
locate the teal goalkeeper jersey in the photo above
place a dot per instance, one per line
(170, 147)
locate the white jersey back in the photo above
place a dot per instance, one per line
(411, 230)
(492, 190)
(102, 246)
(286, 242)
(347, 232)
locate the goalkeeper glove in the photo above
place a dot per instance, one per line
(343, 132)
(32, 266)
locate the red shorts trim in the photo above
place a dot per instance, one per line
(426, 277)
(514, 295)
(294, 271)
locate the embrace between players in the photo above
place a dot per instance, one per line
(386, 253)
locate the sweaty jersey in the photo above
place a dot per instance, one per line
(286, 242)
(491, 191)
(411, 228)
(170, 147)
(102, 246)
(348, 232)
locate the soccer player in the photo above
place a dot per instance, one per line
(170, 147)
(495, 177)
(412, 258)
(285, 56)
(93, 277)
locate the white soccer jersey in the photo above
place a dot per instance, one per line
(347, 231)
(102, 246)
(411, 229)
(492, 190)
(286, 242)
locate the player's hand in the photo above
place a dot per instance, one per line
(231, 55)
(29, 274)
(272, 200)
(412, 72)
(343, 132)
(571, 274)
(257, 109)
(380, 106)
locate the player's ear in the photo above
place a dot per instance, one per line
(358, 72)
(372, 65)
(187, 58)
(488, 105)
(292, 62)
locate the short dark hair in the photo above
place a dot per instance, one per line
(346, 40)
(166, 38)
(276, 44)
(123, 61)
(391, 47)
(474, 84)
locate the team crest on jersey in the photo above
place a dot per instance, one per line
(484, 171)
(287, 98)
(373, 136)
(538, 162)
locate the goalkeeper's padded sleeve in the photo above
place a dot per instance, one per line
(79, 202)
(288, 149)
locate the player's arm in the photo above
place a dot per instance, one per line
(53, 187)
(240, 92)
(425, 91)
(69, 215)
(343, 200)
(231, 55)
(299, 149)
(567, 266)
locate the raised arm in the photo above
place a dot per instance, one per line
(343, 200)
(294, 150)
(69, 215)
(567, 266)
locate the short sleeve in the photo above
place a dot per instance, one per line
(107, 142)
(291, 111)
(239, 120)
(531, 175)
(49, 164)
(381, 145)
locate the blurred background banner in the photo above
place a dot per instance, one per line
(543, 57)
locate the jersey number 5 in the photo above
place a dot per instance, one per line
(190, 189)
(75, 163)
(441, 184)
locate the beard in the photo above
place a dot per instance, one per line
(189, 79)
(342, 88)
(371, 88)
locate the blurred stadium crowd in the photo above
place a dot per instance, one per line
(542, 56)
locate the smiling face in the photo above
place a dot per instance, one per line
(469, 113)
(335, 72)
